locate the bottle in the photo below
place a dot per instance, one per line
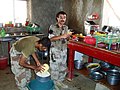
(2, 32)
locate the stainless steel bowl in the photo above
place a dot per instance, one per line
(96, 75)
(93, 67)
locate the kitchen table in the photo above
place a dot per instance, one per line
(93, 52)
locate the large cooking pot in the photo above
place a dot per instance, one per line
(113, 76)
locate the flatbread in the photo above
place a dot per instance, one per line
(46, 67)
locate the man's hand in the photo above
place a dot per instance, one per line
(66, 35)
(39, 68)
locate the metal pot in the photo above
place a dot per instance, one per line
(78, 64)
(113, 76)
(18, 25)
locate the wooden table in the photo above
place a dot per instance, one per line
(92, 52)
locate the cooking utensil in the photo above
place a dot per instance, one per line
(113, 76)
(78, 64)
(102, 45)
(18, 25)
(96, 75)
(92, 67)
(106, 66)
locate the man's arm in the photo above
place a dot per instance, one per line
(66, 35)
(36, 59)
(24, 63)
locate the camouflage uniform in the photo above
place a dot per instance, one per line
(22, 47)
(58, 53)
(22, 75)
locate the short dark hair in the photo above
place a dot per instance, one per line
(45, 41)
(61, 12)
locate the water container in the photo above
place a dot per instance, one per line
(37, 85)
(3, 62)
(78, 64)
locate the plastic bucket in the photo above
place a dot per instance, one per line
(37, 85)
(3, 62)
(78, 64)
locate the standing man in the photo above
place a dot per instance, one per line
(20, 63)
(58, 34)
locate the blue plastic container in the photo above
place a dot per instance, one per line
(37, 85)
(43, 79)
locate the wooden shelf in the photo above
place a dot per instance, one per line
(103, 81)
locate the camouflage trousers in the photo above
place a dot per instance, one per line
(22, 75)
(58, 65)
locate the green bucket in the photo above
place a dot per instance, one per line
(37, 85)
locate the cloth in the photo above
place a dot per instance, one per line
(26, 45)
(22, 75)
(58, 53)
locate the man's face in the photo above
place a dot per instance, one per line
(61, 18)
(42, 48)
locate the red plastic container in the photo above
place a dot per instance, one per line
(3, 62)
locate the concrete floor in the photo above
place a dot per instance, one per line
(80, 82)
(7, 82)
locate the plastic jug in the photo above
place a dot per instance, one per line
(2, 32)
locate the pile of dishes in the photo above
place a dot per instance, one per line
(93, 69)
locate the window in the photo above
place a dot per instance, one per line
(111, 13)
(13, 10)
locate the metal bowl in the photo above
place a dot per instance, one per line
(93, 67)
(105, 65)
(96, 75)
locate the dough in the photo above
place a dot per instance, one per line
(46, 67)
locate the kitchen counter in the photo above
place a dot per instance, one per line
(112, 57)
